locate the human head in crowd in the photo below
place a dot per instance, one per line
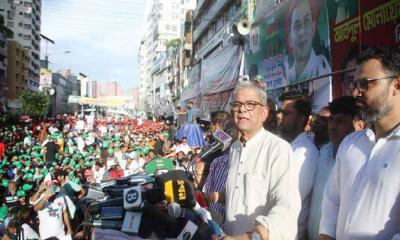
(189, 105)
(319, 127)
(344, 119)
(270, 123)
(296, 110)
(151, 155)
(184, 141)
(349, 62)
(218, 120)
(376, 84)
(249, 109)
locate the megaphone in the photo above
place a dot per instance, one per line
(244, 27)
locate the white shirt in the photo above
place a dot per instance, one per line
(325, 165)
(51, 218)
(185, 148)
(361, 199)
(98, 175)
(262, 187)
(306, 157)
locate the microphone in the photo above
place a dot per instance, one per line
(117, 225)
(176, 211)
(215, 228)
(222, 142)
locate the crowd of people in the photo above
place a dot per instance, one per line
(288, 173)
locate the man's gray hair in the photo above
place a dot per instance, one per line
(262, 94)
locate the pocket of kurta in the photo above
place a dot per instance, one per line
(256, 188)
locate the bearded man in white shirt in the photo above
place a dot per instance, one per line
(361, 198)
(261, 197)
(296, 109)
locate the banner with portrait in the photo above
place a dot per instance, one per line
(293, 47)
(356, 25)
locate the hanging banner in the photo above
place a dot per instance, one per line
(220, 70)
(356, 25)
(293, 46)
(215, 102)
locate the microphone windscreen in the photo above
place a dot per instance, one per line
(174, 210)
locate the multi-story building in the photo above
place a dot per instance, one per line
(4, 34)
(163, 25)
(23, 17)
(63, 89)
(84, 85)
(17, 71)
(207, 75)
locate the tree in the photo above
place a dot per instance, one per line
(34, 104)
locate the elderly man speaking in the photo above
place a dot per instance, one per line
(261, 196)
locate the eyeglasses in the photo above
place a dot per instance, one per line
(362, 84)
(248, 105)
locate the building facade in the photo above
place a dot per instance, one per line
(18, 63)
(163, 29)
(24, 19)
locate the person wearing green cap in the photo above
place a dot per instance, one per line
(52, 210)
(11, 194)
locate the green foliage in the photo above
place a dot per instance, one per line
(34, 104)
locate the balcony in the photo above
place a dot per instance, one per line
(212, 14)
(200, 4)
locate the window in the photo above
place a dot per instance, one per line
(10, 24)
(174, 28)
(168, 27)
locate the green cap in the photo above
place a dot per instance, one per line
(3, 212)
(18, 164)
(27, 187)
(104, 144)
(5, 182)
(21, 193)
(29, 176)
(110, 150)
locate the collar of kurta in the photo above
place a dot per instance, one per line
(394, 133)
(254, 139)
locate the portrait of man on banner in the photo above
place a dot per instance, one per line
(308, 52)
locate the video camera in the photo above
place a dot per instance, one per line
(162, 206)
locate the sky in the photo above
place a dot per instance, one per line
(102, 35)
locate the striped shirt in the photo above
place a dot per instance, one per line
(216, 180)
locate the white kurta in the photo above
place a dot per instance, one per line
(262, 187)
(361, 199)
(306, 157)
(325, 165)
